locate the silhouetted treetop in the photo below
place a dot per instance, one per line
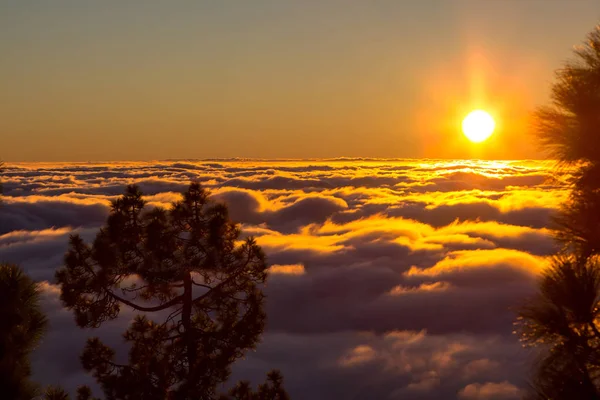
(22, 325)
(578, 223)
(56, 393)
(1, 172)
(569, 128)
(272, 389)
(563, 319)
(559, 377)
(195, 283)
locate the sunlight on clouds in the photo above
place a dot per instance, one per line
(358, 355)
(63, 198)
(320, 244)
(464, 261)
(32, 236)
(445, 357)
(377, 258)
(261, 202)
(460, 239)
(519, 199)
(424, 287)
(294, 269)
(399, 227)
(49, 289)
(402, 338)
(163, 200)
(490, 391)
(492, 229)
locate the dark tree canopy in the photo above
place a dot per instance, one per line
(55, 393)
(194, 283)
(23, 325)
(271, 390)
(563, 320)
(58, 393)
(566, 309)
(569, 128)
(558, 377)
(1, 171)
(578, 223)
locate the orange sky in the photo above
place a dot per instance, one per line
(105, 81)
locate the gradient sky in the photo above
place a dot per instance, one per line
(106, 80)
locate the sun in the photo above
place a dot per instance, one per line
(478, 126)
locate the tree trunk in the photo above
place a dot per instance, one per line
(188, 334)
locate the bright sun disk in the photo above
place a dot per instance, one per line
(478, 126)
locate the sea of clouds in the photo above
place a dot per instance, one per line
(390, 279)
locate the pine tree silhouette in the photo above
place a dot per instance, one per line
(569, 128)
(195, 285)
(271, 390)
(23, 324)
(55, 393)
(1, 187)
(562, 321)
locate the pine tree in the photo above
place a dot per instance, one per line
(1, 171)
(195, 285)
(23, 325)
(569, 128)
(562, 321)
(271, 390)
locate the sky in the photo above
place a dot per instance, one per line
(388, 279)
(97, 80)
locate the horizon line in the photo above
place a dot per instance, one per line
(283, 159)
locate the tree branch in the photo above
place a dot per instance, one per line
(226, 281)
(145, 309)
(130, 289)
(202, 285)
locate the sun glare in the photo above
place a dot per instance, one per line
(478, 126)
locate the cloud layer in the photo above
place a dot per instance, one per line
(390, 279)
